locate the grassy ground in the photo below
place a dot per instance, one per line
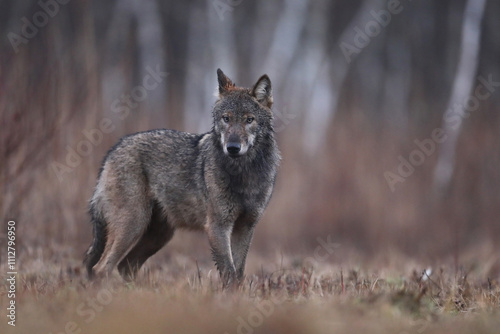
(55, 297)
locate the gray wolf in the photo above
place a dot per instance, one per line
(151, 183)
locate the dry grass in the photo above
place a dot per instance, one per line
(281, 297)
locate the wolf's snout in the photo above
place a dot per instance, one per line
(233, 148)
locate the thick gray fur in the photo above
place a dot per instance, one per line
(153, 182)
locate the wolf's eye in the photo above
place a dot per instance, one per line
(225, 119)
(250, 120)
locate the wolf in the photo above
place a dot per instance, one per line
(154, 182)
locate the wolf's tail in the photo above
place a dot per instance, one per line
(96, 249)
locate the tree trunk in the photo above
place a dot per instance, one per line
(462, 86)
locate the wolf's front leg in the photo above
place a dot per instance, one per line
(219, 237)
(240, 243)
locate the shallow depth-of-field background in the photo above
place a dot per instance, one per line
(373, 226)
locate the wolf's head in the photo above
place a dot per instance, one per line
(242, 116)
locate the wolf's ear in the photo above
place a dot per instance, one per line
(262, 91)
(225, 83)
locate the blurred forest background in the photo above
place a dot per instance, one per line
(355, 84)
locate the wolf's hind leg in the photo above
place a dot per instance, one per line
(157, 235)
(123, 234)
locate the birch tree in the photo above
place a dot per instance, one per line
(462, 87)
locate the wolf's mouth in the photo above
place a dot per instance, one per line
(235, 155)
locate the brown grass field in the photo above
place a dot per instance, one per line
(286, 295)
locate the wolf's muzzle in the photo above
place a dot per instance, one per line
(233, 148)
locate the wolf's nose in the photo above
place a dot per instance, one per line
(233, 148)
